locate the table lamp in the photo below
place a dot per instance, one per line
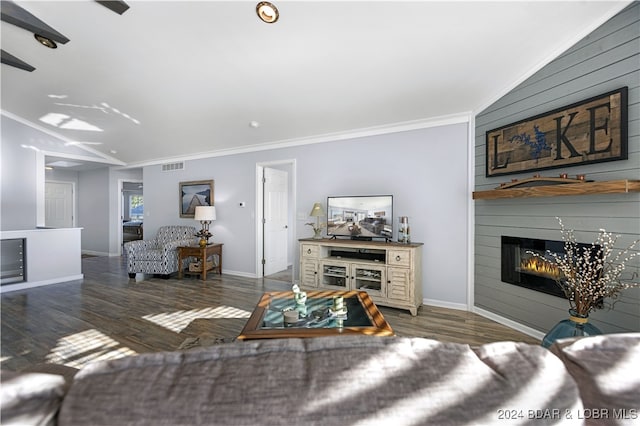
(316, 212)
(205, 214)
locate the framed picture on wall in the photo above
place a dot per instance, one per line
(193, 194)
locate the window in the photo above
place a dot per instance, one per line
(136, 207)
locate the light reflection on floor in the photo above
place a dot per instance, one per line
(179, 320)
(81, 348)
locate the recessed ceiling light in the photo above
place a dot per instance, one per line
(254, 124)
(46, 41)
(267, 12)
(113, 151)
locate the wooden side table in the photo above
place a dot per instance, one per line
(201, 253)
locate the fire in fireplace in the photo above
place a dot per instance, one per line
(533, 265)
(520, 267)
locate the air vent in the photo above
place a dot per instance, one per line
(173, 167)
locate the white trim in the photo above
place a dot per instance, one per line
(509, 323)
(328, 137)
(97, 253)
(259, 213)
(23, 286)
(445, 304)
(617, 8)
(471, 213)
(239, 274)
(120, 213)
(260, 210)
(75, 143)
(40, 189)
(82, 158)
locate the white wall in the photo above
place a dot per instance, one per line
(18, 177)
(425, 170)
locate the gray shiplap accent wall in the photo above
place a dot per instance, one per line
(607, 59)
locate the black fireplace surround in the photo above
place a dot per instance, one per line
(521, 268)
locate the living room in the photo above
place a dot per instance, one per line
(428, 165)
(431, 166)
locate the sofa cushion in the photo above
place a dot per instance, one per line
(330, 381)
(150, 255)
(30, 398)
(607, 371)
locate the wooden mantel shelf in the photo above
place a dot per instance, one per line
(586, 188)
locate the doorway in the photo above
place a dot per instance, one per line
(275, 220)
(131, 208)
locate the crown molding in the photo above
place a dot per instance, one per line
(445, 120)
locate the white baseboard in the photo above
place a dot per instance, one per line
(509, 323)
(23, 286)
(443, 304)
(96, 253)
(239, 274)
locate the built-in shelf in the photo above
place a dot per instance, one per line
(583, 188)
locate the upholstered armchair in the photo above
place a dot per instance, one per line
(159, 255)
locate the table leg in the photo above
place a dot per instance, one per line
(220, 261)
(179, 264)
(204, 264)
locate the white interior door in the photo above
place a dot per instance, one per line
(58, 204)
(276, 190)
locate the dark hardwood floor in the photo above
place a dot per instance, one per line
(107, 316)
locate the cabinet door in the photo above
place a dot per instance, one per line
(399, 284)
(369, 278)
(309, 273)
(334, 275)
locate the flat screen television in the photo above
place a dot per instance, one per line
(361, 217)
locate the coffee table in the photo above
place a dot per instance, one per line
(362, 317)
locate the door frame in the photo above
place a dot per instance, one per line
(120, 212)
(259, 214)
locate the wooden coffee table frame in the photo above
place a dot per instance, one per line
(252, 331)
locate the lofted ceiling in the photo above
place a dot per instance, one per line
(176, 79)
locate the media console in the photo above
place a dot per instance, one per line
(391, 273)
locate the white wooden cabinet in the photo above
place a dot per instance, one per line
(391, 273)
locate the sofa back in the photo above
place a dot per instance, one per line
(340, 380)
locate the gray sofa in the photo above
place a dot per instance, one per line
(347, 380)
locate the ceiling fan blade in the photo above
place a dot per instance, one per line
(117, 6)
(14, 14)
(9, 59)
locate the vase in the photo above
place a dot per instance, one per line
(317, 234)
(575, 326)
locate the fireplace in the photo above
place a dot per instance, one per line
(520, 267)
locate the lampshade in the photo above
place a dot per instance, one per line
(317, 210)
(205, 213)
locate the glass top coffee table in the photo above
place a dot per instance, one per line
(315, 317)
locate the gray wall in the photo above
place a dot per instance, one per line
(425, 170)
(607, 59)
(94, 210)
